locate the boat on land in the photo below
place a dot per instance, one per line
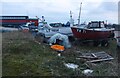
(93, 31)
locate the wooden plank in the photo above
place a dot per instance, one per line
(97, 57)
(93, 54)
(99, 60)
(88, 57)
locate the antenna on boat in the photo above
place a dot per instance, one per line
(79, 14)
(70, 14)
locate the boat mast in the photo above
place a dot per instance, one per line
(79, 14)
(71, 20)
(70, 14)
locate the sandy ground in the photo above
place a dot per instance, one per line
(6, 28)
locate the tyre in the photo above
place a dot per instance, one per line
(105, 43)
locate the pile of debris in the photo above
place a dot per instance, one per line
(96, 57)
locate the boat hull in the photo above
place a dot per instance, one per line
(92, 34)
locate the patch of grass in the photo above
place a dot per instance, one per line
(22, 56)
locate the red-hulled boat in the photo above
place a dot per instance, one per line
(95, 30)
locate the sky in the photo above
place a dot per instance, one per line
(59, 10)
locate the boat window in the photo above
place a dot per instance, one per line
(94, 25)
(102, 25)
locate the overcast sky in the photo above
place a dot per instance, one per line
(58, 10)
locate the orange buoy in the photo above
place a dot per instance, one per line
(58, 47)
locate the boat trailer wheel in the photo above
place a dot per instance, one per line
(102, 43)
